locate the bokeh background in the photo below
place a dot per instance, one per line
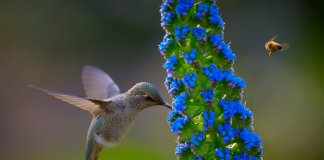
(48, 42)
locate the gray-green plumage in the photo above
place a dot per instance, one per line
(113, 113)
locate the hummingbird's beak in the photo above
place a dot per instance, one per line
(167, 105)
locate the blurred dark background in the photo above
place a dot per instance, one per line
(48, 42)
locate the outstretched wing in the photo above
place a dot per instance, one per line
(98, 84)
(80, 102)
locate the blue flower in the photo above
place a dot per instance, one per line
(250, 139)
(178, 124)
(197, 158)
(182, 147)
(218, 42)
(190, 80)
(164, 45)
(167, 17)
(171, 116)
(175, 86)
(234, 107)
(168, 80)
(208, 95)
(180, 102)
(169, 64)
(190, 57)
(213, 73)
(196, 138)
(181, 32)
(199, 33)
(227, 132)
(235, 80)
(202, 10)
(224, 154)
(209, 119)
(215, 18)
(245, 156)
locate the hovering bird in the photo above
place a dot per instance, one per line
(271, 46)
(113, 113)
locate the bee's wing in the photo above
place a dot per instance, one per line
(98, 84)
(284, 46)
(273, 38)
(80, 102)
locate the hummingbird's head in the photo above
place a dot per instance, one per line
(145, 95)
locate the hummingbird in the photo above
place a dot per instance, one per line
(113, 112)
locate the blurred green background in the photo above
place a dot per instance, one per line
(48, 42)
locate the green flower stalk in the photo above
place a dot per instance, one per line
(208, 116)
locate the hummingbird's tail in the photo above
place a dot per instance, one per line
(92, 151)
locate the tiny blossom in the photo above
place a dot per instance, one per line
(234, 107)
(190, 57)
(164, 45)
(245, 156)
(199, 33)
(202, 10)
(196, 138)
(181, 32)
(169, 64)
(178, 123)
(190, 80)
(208, 95)
(182, 147)
(215, 18)
(171, 116)
(217, 41)
(197, 158)
(224, 154)
(209, 119)
(250, 139)
(168, 80)
(175, 86)
(213, 73)
(235, 80)
(227, 132)
(167, 18)
(180, 102)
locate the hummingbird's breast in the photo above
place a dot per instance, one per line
(114, 126)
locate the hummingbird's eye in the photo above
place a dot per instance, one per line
(149, 98)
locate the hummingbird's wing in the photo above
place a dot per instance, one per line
(80, 102)
(98, 84)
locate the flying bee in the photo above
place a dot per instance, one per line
(271, 46)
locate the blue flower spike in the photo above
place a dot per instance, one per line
(208, 115)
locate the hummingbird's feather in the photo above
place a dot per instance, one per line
(80, 102)
(92, 147)
(98, 84)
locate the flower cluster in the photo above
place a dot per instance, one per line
(169, 64)
(220, 45)
(223, 153)
(178, 123)
(209, 119)
(208, 95)
(190, 57)
(163, 46)
(234, 107)
(183, 6)
(199, 33)
(227, 132)
(208, 116)
(181, 32)
(190, 80)
(250, 139)
(197, 137)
